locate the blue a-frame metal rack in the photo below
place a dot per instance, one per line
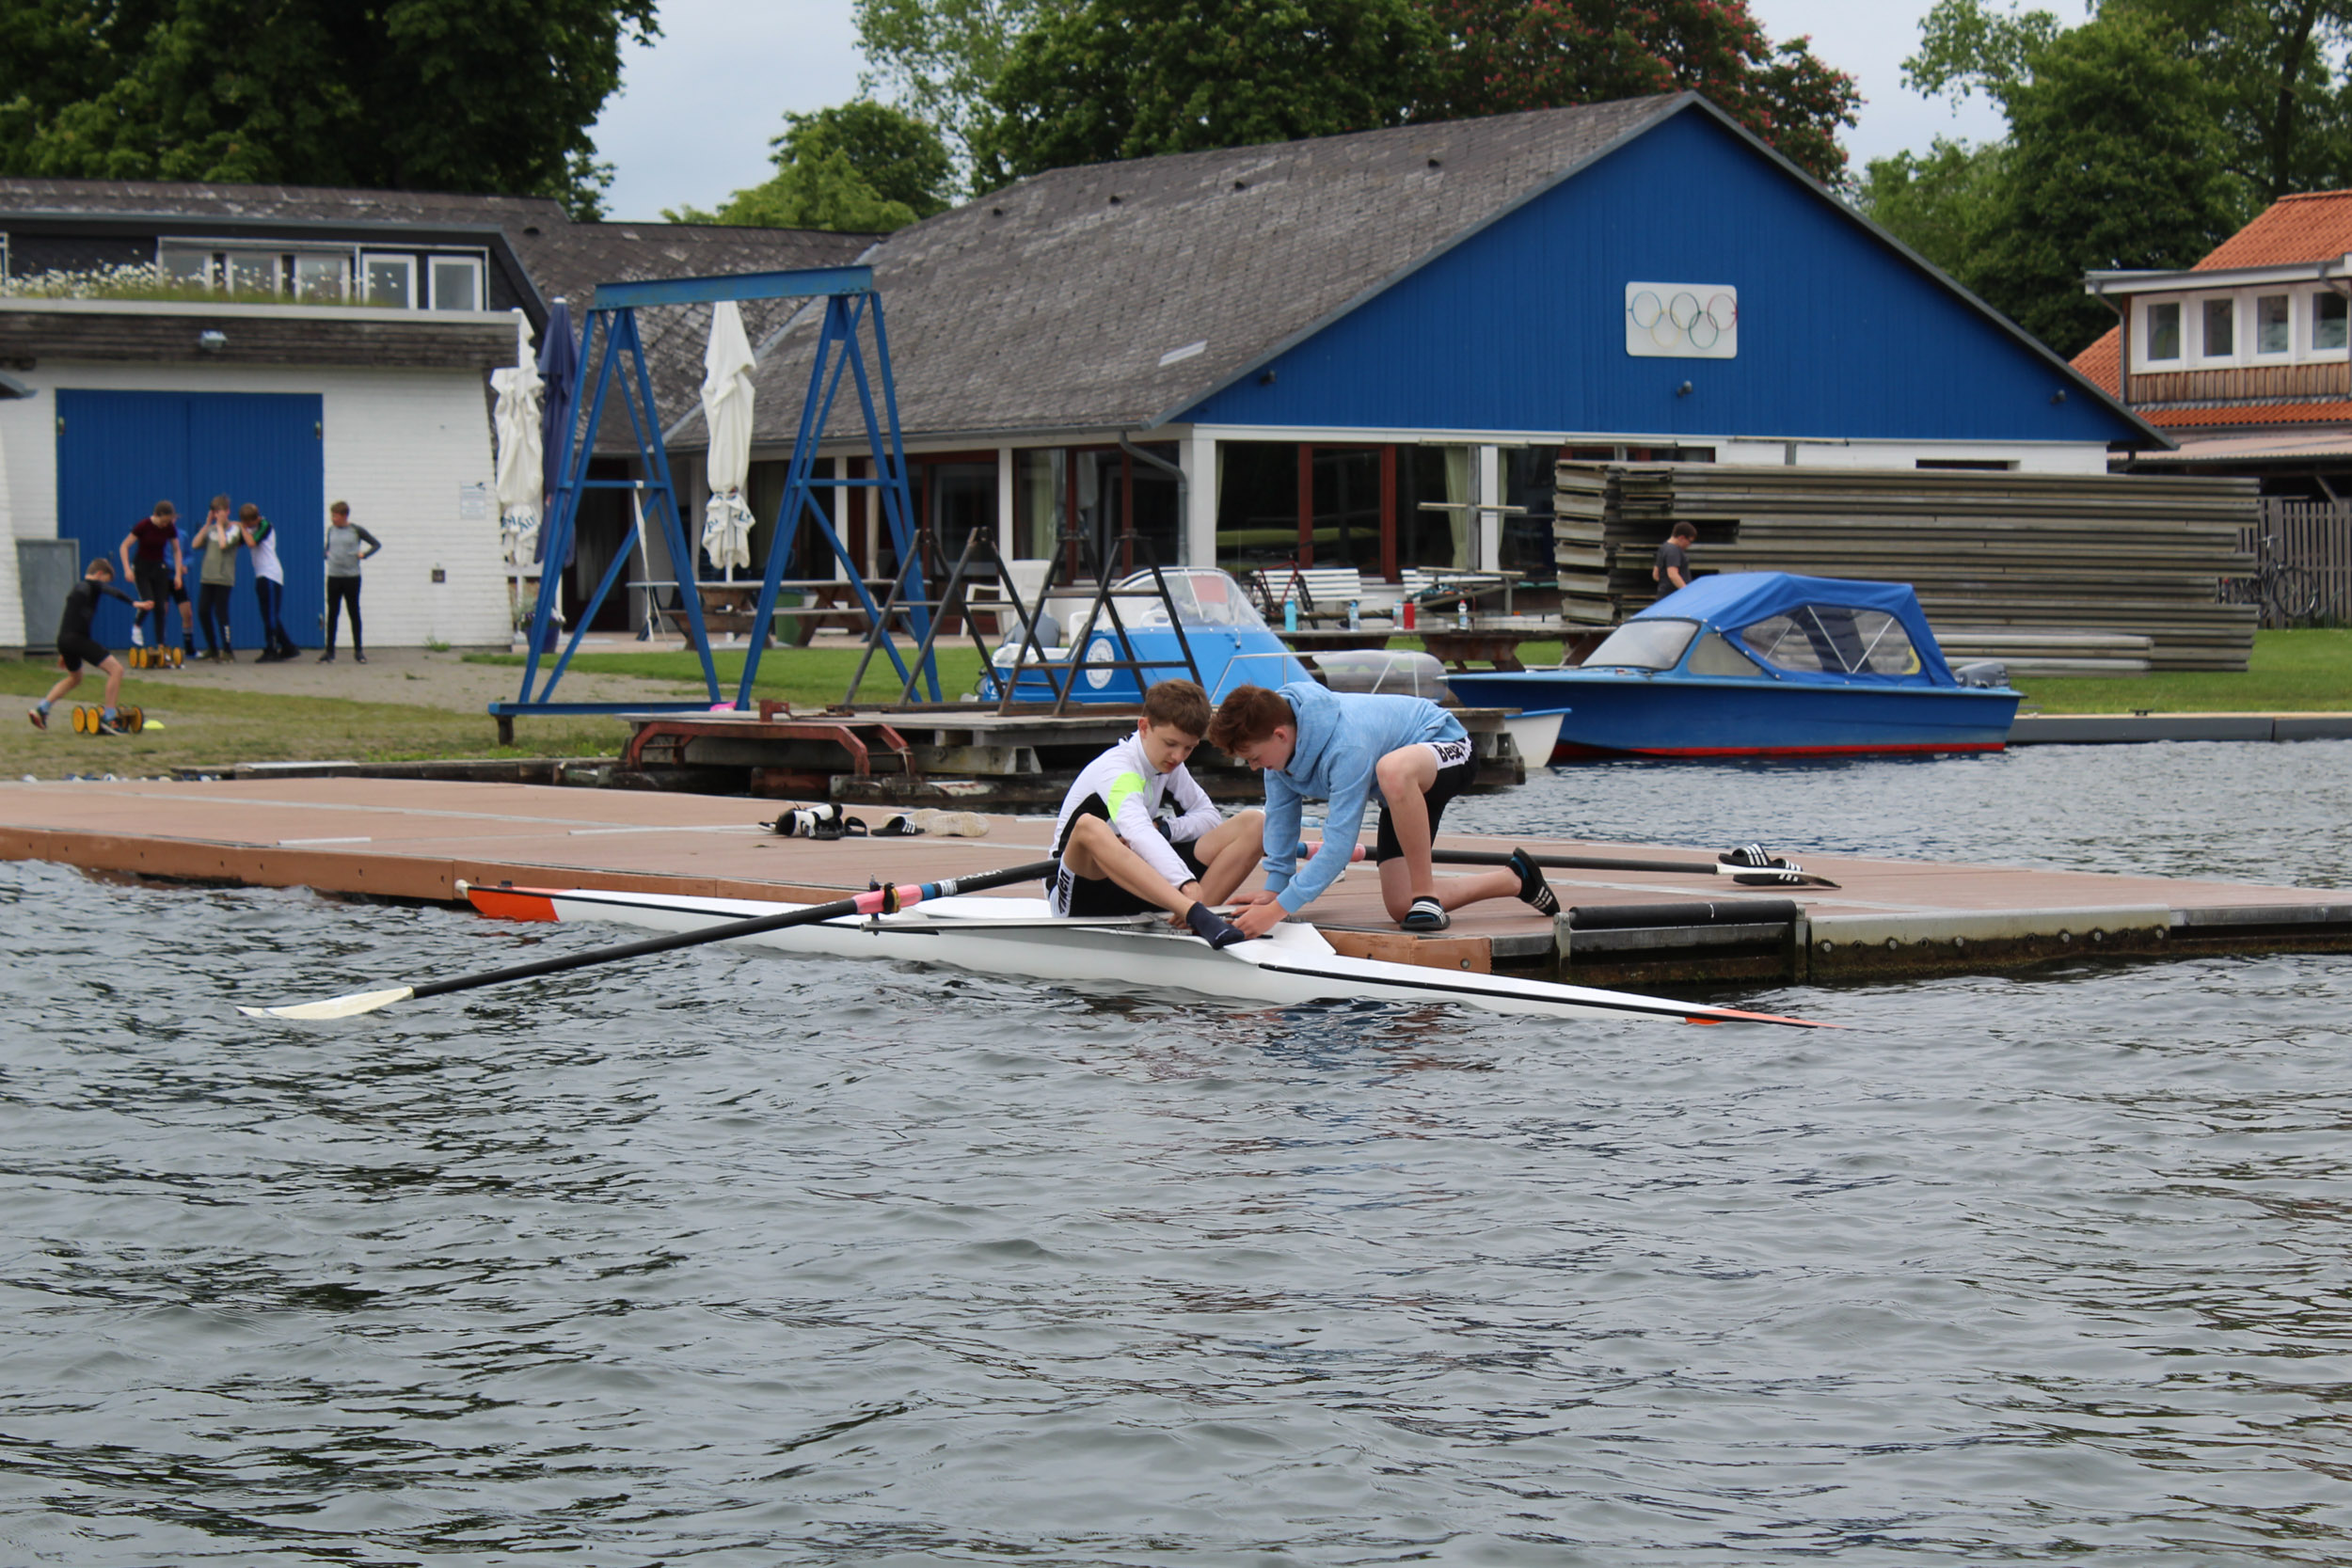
(610, 338)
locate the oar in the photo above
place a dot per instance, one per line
(882, 900)
(1757, 876)
(1748, 875)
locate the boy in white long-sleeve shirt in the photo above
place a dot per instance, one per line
(1122, 855)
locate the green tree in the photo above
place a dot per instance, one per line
(1944, 205)
(2284, 110)
(2109, 166)
(859, 168)
(1106, 79)
(941, 58)
(453, 95)
(1508, 54)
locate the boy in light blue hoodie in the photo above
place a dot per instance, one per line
(1316, 744)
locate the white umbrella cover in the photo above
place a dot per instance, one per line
(520, 462)
(727, 415)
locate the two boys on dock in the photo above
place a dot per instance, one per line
(1120, 856)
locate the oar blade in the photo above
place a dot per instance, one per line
(350, 1006)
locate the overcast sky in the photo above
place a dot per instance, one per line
(695, 111)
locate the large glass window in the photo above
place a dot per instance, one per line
(2328, 320)
(2164, 330)
(1037, 488)
(2272, 333)
(2221, 328)
(251, 272)
(391, 280)
(456, 283)
(321, 278)
(186, 264)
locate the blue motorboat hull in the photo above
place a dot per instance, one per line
(1624, 713)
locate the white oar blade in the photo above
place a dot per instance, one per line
(350, 1006)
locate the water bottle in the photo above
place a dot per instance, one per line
(1355, 615)
(1289, 615)
(1461, 613)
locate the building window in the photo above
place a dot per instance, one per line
(2164, 330)
(391, 280)
(2221, 328)
(319, 279)
(2328, 320)
(252, 272)
(2271, 333)
(456, 283)
(185, 264)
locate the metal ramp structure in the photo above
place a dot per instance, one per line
(613, 360)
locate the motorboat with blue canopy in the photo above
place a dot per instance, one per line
(1230, 642)
(1764, 664)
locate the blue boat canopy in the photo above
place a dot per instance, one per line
(1841, 628)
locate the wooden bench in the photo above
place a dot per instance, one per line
(730, 607)
(1323, 592)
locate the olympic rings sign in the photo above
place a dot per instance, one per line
(1681, 320)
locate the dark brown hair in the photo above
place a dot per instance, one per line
(1180, 702)
(249, 513)
(1684, 531)
(1248, 715)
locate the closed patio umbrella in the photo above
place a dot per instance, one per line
(559, 371)
(520, 471)
(727, 415)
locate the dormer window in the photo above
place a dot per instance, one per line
(2272, 332)
(2164, 330)
(2328, 320)
(2221, 328)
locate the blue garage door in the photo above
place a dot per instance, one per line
(119, 453)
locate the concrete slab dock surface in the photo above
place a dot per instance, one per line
(417, 839)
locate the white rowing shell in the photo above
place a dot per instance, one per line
(1018, 936)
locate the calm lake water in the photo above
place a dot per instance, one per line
(737, 1259)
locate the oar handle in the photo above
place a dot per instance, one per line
(881, 900)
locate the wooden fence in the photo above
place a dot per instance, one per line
(2314, 535)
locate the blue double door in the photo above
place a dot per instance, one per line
(120, 452)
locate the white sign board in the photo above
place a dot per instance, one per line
(473, 503)
(1681, 320)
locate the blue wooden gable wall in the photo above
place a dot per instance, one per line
(1521, 326)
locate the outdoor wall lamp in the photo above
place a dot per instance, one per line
(212, 339)
(1683, 391)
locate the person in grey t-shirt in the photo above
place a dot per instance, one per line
(348, 545)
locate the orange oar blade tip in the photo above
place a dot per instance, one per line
(512, 903)
(1729, 1015)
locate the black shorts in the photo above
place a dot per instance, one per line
(1099, 898)
(78, 651)
(1457, 770)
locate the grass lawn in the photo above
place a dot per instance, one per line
(2291, 672)
(206, 727)
(805, 677)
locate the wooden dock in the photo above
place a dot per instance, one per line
(417, 839)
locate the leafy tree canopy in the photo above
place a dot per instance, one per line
(1506, 54)
(859, 167)
(450, 95)
(1106, 79)
(939, 59)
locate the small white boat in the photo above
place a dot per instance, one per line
(1017, 937)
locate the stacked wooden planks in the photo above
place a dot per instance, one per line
(1986, 551)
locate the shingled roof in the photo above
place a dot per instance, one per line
(1067, 301)
(557, 257)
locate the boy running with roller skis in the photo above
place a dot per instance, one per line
(1316, 744)
(1120, 855)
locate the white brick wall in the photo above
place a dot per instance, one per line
(399, 445)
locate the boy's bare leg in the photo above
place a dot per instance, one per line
(113, 679)
(1228, 854)
(1405, 776)
(1095, 850)
(72, 678)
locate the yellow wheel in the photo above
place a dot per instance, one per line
(131, 719)
(81, 725)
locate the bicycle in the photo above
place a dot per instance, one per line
(2287, 595)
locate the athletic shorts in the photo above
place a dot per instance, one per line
(1078, 898)
(78, 651)
(1457, 770)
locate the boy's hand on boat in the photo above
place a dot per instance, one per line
(1259, 914)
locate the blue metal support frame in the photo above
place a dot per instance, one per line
(849, 295)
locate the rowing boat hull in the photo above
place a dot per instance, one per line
(1017, 937)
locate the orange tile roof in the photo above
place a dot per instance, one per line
(2255, 413)
(2314, 226)
(2100, 364)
